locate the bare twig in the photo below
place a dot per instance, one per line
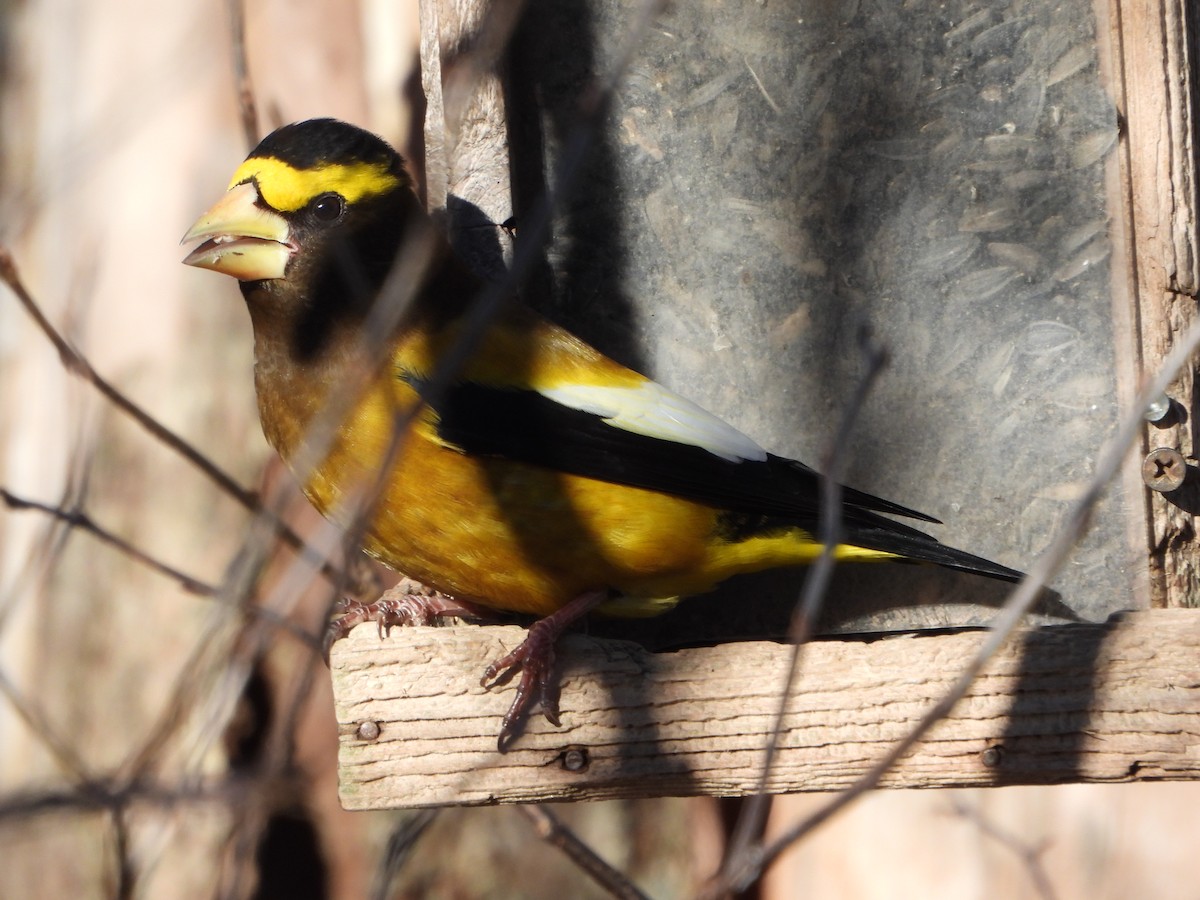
(753, 816)
(62, 750)
(1029, 855)
(834, 464)
(174, 718)
(551, 830)
(1010, 616)
(407, 276)
(276, 760)
(481, 55)
(247, 108)
(420, 247)
(75, 362)
(47, 549)
(108, 793)
(81, 520)
(126, 872)
(399, 848)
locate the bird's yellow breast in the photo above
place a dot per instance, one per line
(502, 533)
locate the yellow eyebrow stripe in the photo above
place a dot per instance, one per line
(288, 189)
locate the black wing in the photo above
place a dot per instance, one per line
(526, 426)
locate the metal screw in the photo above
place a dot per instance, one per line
(575, 759)
(991, 757)
(1157, 409)
(1164, 470)
(367, 731)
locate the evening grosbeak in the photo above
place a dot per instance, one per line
(543, 477)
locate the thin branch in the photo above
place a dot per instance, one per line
(126, 873)
(277, 757)
(398, 293)
(75, 362)
(399, 848)
(62, 751)
(1010, 616)
(81, 520)
(207, 703)
(481, 54)
(247, 108)
(1029, 855)
(44, 551)
(551, 830)
(114, 794)
(753, 816)
(188, 680)
(268, 617)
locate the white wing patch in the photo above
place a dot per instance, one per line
(651, 410)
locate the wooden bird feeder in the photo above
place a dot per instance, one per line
(1009, 201)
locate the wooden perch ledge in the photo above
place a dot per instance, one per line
(1113, 702)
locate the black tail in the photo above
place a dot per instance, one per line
(893, 537)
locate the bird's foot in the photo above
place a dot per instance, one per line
(534, 658)
(408, 602)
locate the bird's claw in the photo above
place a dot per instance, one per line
(534, 658)
(408, 602)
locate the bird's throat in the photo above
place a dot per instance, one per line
(293, 390)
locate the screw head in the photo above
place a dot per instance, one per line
(367, 731)
(574, 759)
(1164, 469)
(1158, 408)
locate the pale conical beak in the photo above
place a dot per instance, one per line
(240, 238)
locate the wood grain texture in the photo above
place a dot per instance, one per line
(1155, 87)
(1112, 702)
(466, 143)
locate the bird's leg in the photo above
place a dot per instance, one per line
(534, 656)
(408, 602)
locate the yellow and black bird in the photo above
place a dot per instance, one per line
(546, 478)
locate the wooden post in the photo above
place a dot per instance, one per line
(1154, 91)
(466, 146)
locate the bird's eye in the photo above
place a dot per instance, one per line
(329, 207)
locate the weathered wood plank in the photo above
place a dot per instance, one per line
(466, 138)
(1112, 702)
(1155, 87)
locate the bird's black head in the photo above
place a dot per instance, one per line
(310, 225)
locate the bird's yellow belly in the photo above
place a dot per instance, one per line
(527, 539)
(513, 536)
(523, 538)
